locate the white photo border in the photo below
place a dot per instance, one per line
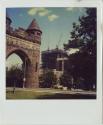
(50, 112)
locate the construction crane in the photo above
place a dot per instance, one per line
(60, 37)
(62, 58)
(57, 47)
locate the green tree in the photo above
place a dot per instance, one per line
(14, 77)
(84, 36)
(82, 66)
(47, 79)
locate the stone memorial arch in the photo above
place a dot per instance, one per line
(26, 44)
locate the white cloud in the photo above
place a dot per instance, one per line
(44, 12)
(32, 11)
(52, 17)
(69, 9)
(41, 11)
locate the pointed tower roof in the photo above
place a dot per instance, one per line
(8, 17)
(34, 26)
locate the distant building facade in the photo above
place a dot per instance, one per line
(54, 60)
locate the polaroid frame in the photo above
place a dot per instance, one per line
(50, 112)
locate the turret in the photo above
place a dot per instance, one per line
(8, 22)
(34, 31)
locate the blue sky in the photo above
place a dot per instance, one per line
(55, 23)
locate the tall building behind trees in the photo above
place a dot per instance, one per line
(54, 60)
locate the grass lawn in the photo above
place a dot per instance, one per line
(23, 94)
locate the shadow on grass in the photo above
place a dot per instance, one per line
(67, 96)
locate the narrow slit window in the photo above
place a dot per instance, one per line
(36, 68)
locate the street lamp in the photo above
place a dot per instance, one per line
(24, 78)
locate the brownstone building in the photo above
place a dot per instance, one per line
(26, 44)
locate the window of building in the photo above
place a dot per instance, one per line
(36, 67)
(38, 33)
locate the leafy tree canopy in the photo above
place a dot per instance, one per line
(83, 34)
(47, 79)
(82, 64)
(14, 76)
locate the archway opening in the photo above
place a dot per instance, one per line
(16, 68)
